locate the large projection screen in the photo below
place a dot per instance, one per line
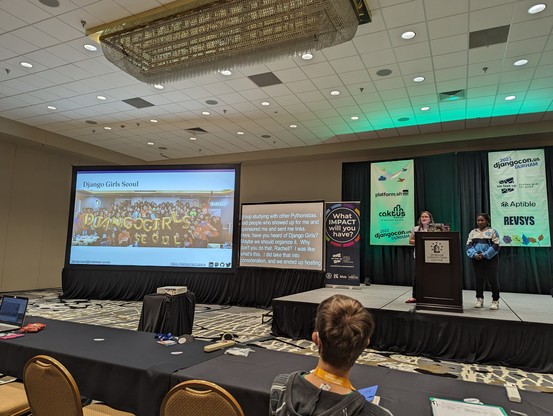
(283, 235)
(165, 217)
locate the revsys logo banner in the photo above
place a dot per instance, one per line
(518, 197)
(392, 202)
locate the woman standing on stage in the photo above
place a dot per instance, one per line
(482, 248)
(425, 219)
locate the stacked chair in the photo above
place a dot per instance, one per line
(200, 398)
(13, 400)
(52, 391)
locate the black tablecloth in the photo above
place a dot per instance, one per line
(165, 314)
(127, 370)
(249, 380)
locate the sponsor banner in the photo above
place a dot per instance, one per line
(342, 235)
(518, 198)
(392, 202)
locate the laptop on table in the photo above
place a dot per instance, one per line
(12, 312)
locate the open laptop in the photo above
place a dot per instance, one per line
(12, 312)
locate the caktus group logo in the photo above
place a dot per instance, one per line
(396, 212)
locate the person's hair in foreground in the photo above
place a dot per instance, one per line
(342, 331)
(344, 328)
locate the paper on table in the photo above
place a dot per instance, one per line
(6, 379)
(443, 407)
(369, 392)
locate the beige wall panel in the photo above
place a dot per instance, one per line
(7, 154)
(299, 181)
(56, 217)
(24, 232)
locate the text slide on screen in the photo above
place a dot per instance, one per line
(283, 235)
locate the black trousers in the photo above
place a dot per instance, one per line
(487, 271)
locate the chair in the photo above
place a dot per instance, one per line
(52, 391)
(13, 400)
(199, 398)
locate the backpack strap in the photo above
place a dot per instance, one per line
(277, 391)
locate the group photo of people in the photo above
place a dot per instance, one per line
(153, 222)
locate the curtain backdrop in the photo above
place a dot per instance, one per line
(454, 188)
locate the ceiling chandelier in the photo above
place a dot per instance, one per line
(196, 37)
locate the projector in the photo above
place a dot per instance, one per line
(172, 290)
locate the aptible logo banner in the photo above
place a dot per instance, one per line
(518, 197)
(392, 202)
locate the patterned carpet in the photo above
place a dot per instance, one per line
(249, 325)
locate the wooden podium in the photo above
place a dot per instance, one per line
(438, 272)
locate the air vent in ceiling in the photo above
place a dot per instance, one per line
(138, 102)
(489, 37)
(265, 80)
(451, 95)
(196, 130)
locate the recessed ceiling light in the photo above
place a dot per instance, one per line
(307, 56)
(90, 48)
(151, 143)
(408, 35)
(403, 119)
(335, 92)
(51, 107)
(520, 62)
(418, 79)
(537, 8)
(26, 64)
(158, 86)
(226, 72)
(355, 118)
(425, 108)
(510, 97)
(293, 126)
(193, 138)
(107, 128)
(265, 103)
(240, 133)
(101, 97)
(153, 120)
(206, 113)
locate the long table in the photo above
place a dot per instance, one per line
(249, 380)
(126, 369)
(130, 371)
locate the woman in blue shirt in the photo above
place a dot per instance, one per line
(482, 248)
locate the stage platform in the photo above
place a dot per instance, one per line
(519, 334)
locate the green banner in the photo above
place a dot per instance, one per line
(518, 197)
(392, 202)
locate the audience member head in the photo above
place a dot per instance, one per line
(342, 330)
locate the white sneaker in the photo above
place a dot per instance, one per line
(479, 303)
(495, 305)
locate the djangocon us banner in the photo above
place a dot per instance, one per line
(518, 197)
(392, 202)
